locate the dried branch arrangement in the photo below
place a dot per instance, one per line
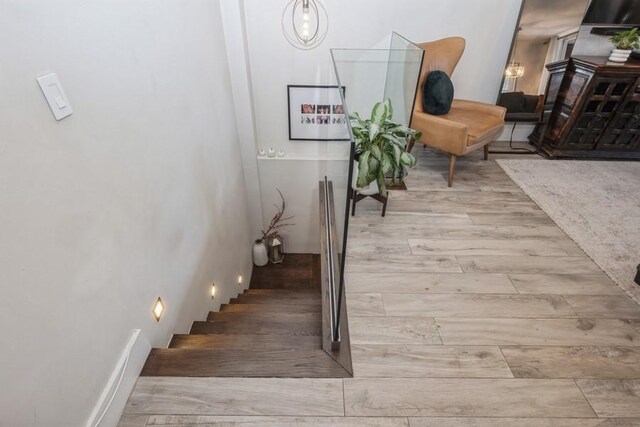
(278, 221)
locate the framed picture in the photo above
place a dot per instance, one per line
(316, 113)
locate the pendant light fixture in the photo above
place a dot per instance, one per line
(514, 70)
(305, 23)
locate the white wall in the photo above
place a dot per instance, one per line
(589, 44)
(139, 193)
(487, 25)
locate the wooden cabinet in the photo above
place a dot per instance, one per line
(592, 109)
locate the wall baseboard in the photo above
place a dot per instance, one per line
(108, 409)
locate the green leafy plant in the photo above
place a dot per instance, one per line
(626, 40)
(381, 146)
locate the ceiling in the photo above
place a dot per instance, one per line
(547, 18)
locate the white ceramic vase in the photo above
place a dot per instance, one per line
(619, 55)
(369, 190)
(260, 258)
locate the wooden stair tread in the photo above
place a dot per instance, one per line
(181, 362)
(263, 301)
(246, 342)
(257, 328)
(299, 293)
(274, 307)
(297, 271)
(284, 284)
(283, 298)
(277, 316)
(290, 260)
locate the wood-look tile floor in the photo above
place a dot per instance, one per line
(467, 307)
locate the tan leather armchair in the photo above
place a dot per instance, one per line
(469, 125)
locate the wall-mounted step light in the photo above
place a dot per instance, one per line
(213, 290)
(158, 309)
(240, 279)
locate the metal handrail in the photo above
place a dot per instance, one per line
(329, 266)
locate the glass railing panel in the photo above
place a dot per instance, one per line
(405, 63)
(368, 76)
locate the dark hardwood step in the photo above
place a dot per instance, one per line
(283, 297)
(254, 299)
(298, 293)
(257, 328)
(246, 342)
(296, 267)
(290, 260)
(278, 283)
(272, 308)
(181, 362)
(264, 317)
(285, 270)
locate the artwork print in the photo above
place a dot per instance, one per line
(316, 113)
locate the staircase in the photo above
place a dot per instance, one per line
(273, 329)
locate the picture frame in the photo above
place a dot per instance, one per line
(316, 113)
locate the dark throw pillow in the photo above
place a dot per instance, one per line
(437, 93)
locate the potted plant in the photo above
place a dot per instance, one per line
(270, 246)
(381, 149)
(624, 42)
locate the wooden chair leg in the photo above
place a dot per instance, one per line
(452, 168)
(486, 152)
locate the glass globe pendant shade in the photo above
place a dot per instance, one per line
(305, 23)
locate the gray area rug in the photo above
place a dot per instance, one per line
(597, 203)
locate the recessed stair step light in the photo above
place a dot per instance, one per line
(158, 309)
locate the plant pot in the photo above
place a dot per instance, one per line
(368, 190)
(260, 258)
(620, 55)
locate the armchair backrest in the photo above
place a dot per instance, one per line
(443, 55)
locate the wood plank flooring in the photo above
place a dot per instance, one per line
(468, 307)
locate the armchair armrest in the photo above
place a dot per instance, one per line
(441, 133)
(489, 109)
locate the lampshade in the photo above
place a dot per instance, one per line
(305, 23)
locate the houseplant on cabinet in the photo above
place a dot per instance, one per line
(624, 42)
(270, 246)
(380, 151)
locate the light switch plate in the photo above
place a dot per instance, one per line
(54, 93)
